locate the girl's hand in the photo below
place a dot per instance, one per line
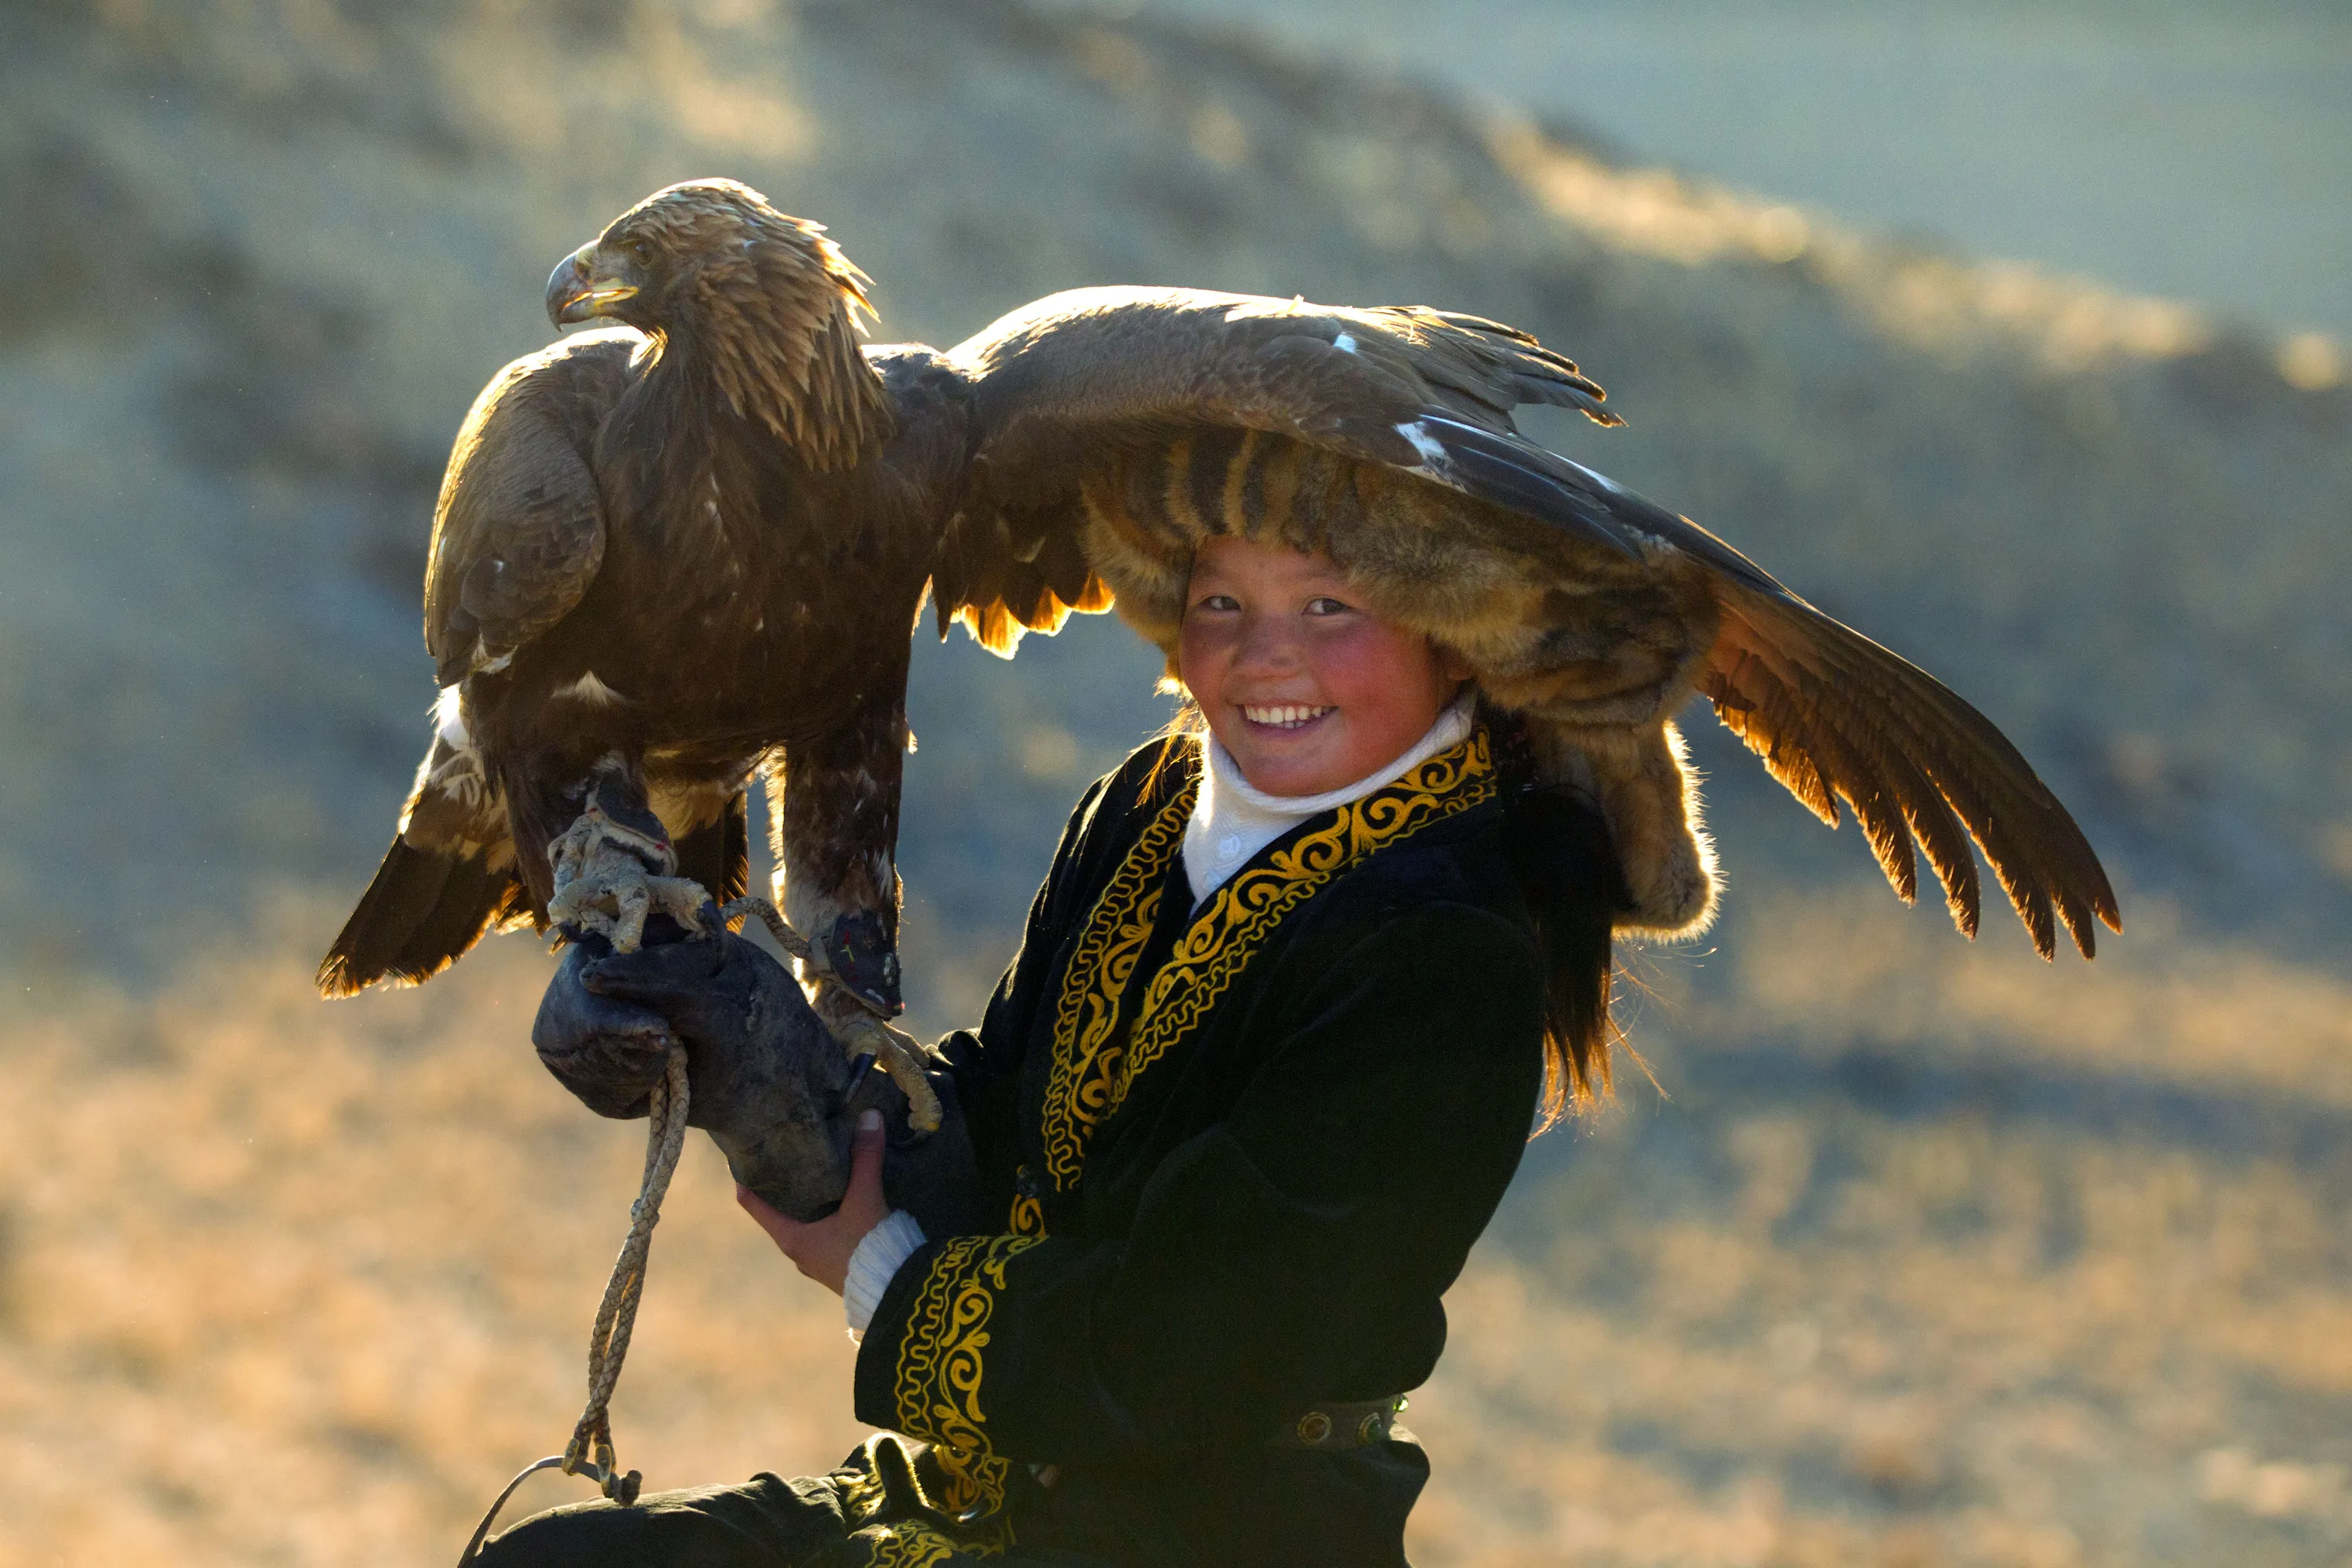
(821, 1248)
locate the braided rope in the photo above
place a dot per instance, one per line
(616, 1315)
(590, 1452)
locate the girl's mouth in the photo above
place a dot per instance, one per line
(1284, 716)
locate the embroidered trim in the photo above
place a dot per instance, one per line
(862, 1494)
(1087, 1018)
(941, 1364)
(910, 1545)
(1028, 1214)
(1091, 1076)
(909, 1540)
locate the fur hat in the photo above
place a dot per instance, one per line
(1593, 670)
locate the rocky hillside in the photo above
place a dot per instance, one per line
(270, 252)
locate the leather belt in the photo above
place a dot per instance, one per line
(1341, 1423)
(1331, 1425)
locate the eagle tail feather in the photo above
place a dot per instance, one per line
(424, 908)
(719, 854)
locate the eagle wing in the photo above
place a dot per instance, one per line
(1076, 381)
(518, 532)
(1836, 717)
(1106, 421)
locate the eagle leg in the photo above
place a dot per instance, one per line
(612, 875)
(854, 1020)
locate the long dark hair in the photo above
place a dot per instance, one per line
(1566, 862)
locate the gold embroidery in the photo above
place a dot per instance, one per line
(1216, 946)
(912, 1540)
(915, 1545)
(1115, 931)
(941, 1363)
(862, 1495)
(1091, 1076)
(908, 1545)
(1028, 1214)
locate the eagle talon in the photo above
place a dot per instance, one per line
(850, 1017)
(859, 1033)
(605, 885)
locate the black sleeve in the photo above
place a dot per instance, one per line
(1274, 1258)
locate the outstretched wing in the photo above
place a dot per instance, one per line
(1134, 423)
(520, 530)
(1080, 384)
(1836, 717)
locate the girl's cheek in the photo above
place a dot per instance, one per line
(1202, 649)
(1348, 658)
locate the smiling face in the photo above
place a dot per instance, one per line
(1303, 687)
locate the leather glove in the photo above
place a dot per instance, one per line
(608, 1053)
(766, 1078)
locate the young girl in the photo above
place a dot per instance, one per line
(1288, 1004)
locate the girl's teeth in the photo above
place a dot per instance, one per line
(1289, 716)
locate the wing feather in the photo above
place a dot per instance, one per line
(1122, 383)
(518, 532)
(1836, 717)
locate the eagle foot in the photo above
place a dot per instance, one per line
(859, 1033)
(855, 1022)
(610, 877)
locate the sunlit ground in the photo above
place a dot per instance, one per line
(293, 1282)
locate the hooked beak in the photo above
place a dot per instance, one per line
(576, 291)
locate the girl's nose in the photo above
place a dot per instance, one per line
(1269, 645)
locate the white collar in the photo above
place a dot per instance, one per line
(1232, 819)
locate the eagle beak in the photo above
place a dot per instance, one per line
(575, 293)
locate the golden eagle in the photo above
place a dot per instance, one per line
(691, 545)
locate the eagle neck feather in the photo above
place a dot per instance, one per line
(709, 485)
(776, 330)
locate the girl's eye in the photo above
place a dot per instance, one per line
(1217, 602)
(1324, 604)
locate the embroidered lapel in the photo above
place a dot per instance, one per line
(1095, 1062)
(1086, 1027)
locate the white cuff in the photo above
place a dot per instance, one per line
(880, 1254)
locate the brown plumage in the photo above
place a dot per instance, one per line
(656, 567)
(674, 552)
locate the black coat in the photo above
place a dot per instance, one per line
(1239, 1153)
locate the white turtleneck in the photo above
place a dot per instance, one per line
(1232, 819)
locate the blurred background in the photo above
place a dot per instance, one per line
(2013, 334)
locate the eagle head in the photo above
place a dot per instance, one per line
(771, 306)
